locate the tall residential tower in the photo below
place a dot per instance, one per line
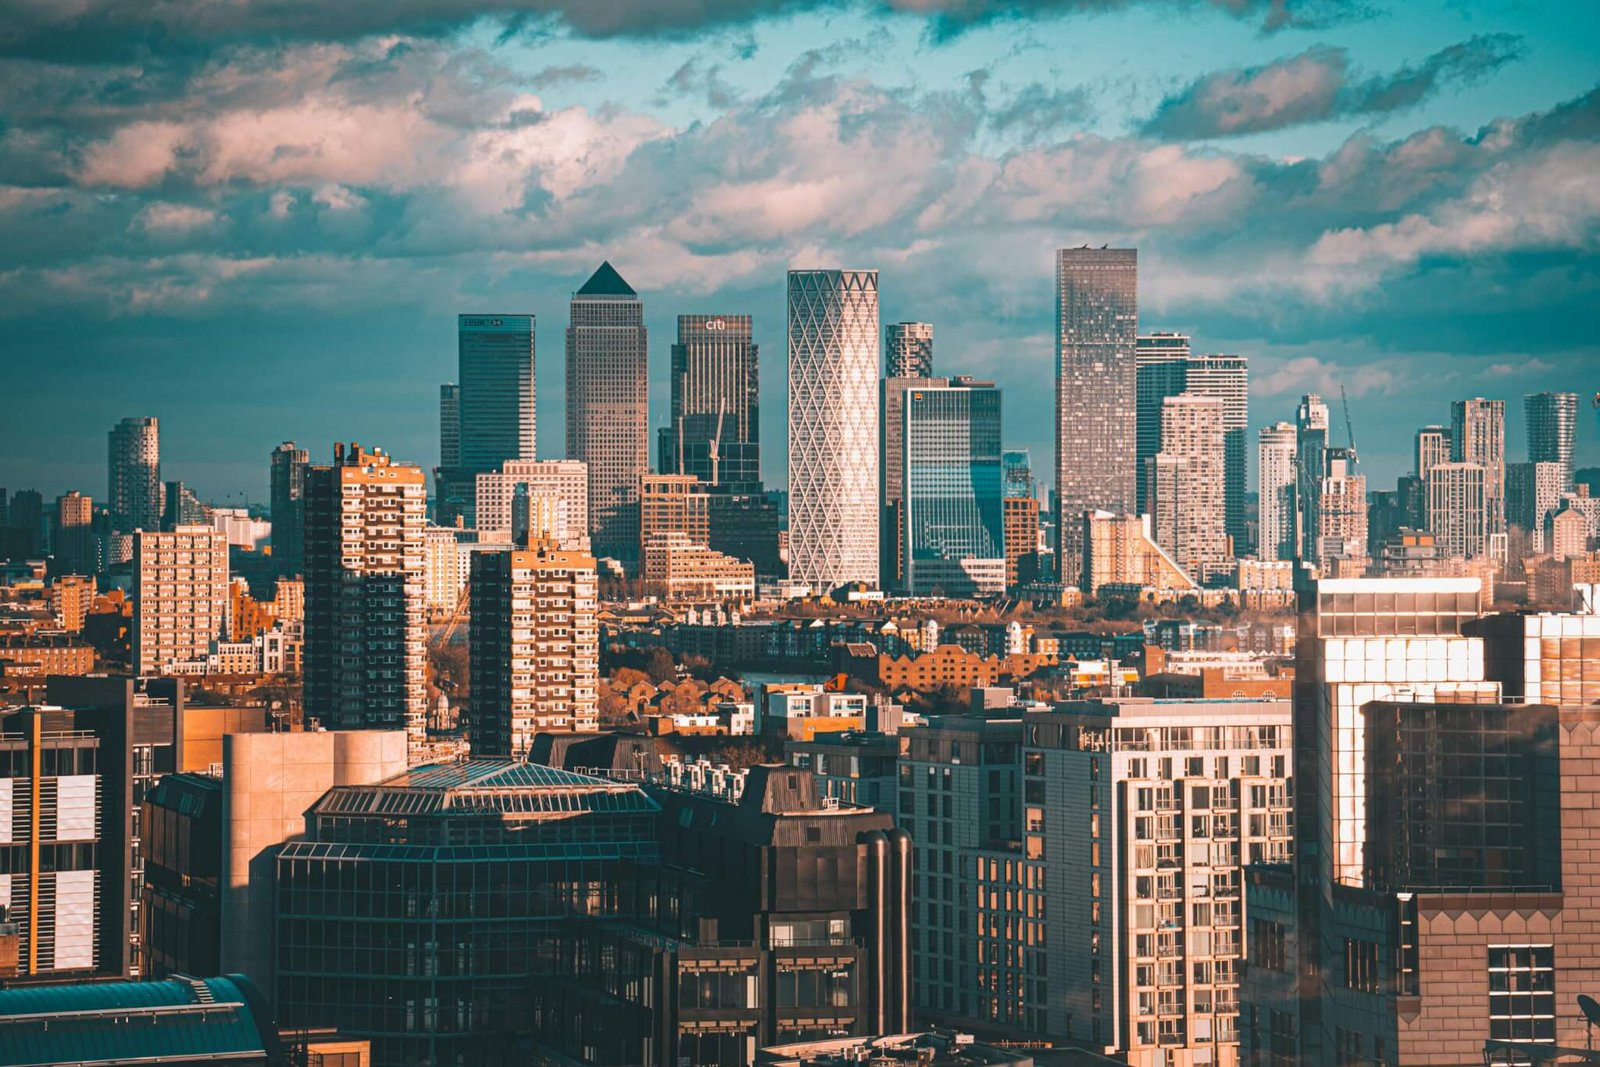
(133, 465)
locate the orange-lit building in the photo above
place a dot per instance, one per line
(673, 503)
(1021, 526)
(954, 666)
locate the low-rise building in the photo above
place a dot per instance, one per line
(678, 569)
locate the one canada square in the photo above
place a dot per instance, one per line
(1097, 328)
(833, 427)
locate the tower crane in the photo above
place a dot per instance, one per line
(716, 442)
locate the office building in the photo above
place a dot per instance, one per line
(833, 428)
(496, 374)
(288, 509)
(1016, 474)
(1141, 815)
(673, 503)
(181, 507)
(1185, 485)
(954, 526)
(534, 646)
(562, 483)
(488, 859)
(1161, 361)
(365, 626)
(908, 350)
(1311, 441)
(72, 539)
(182, 898)
(1342, 514)
(133, 464)
(714, 433)
(450, 424)
(1097, 323)
(180, 595)
(608, 406)
(1552, 430)
(745, 526)
(1277, 496)
(892, 455)
(1478, 435)
(1020, 516)
(22, 532)
(1458, 510)
(1533, 495)
(676, 569)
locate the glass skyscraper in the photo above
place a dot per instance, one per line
(1097, 324)
(288, 508)
(133, 465)
(833, 427)
(496, 401)
(608, 406)
(954, 526)
(1552, 430)
(715, 430)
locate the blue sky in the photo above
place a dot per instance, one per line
(257, 221)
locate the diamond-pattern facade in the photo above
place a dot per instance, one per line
(833, 427)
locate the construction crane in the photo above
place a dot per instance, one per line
(1349, 427)
(716, 442)
(442, 637)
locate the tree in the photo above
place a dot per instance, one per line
(741, 756)
(661, 666)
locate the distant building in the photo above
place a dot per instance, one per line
(908, 350)
(1533, 495)
(182, 898)
(180, 593)
(1311, 444)
(288, 508)
(449, 425)
(133, 463)
(1458, 508)
(833, 427)
(1120, 551)
(1342, 513)
(1021, 527)
(715, 433)
(1552, 421)
(562, 483)
(1097, 324)
(677, 569)
(1184, 485)
(1478, 435)
(365, 627)
(673, 503)
(1278, 495)
(954, 526)
(607, 402)
(892, 464)
(535, 646)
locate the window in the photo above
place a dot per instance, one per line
(1522, 993)
(1361, 966)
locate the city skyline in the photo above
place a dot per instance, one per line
(1269, 239)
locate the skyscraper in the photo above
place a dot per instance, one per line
(450, 425)
(365, 625)
(1166, 367)
(955, 532)
(714, 434)
(833, 427)
(1458, 511)
(908, 350)
(72, 539)
(1478, 435)
(608, 405)
(1277, 494)
(1552, 430)
(1311, 441)
(1342, 515)
(1185, 485)
(891, 455)
(1432, 446)
(1533, 496)
(133, 464)
(1097, 323)
(1161, 361)
(288, 508)
(1016, 474)
(535, 646)
(496, 354)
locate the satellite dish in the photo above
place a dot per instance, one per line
(1590, 1009)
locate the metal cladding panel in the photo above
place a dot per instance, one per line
(75, 919)
(75, 807)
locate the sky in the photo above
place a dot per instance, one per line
(258, 220)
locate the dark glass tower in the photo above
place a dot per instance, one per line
(715, 433)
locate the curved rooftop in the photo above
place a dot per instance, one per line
(179, 1020)
(485, 786)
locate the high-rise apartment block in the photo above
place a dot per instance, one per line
(133, 464)
(833, 427)
(1166, 368)
(1161, 362)
(1142, 815)
(908, 350)
(1552, 430)
(72, 539)
(1184, 482)
(1342, 514)
(535, 646)
(1278, 496)
(562, 485)
(180, 593)
(288, 508)
(1458, 509)
(1311, 441)
(608, 405)
(1121, 551)
(1432, 447)
(1097, 323)
(715, 433)
(1478, 435)
(954, 527)
(1533, 496)
(365, 627)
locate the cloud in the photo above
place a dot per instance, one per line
(1318, 86)
(179, 218)
(104, 29)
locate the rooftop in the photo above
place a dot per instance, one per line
(485, 786)
(605, 281)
